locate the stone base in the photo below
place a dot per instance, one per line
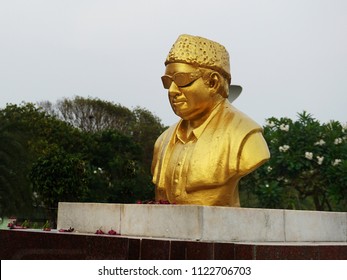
(205, 223)
(40, 245)
(182, 232)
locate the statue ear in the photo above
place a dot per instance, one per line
(215, 82)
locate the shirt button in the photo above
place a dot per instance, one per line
(176, 181)
(179, 163)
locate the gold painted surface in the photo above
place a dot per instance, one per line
(200, 52)
(201, 159)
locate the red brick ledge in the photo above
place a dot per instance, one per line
(29, 244)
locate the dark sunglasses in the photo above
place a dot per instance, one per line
(180, 79)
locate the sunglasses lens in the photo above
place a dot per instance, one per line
(182, 79)
(166, 81)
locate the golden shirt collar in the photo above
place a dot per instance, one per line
(196, 133)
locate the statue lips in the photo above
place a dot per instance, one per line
(178, 106)
(176, 101)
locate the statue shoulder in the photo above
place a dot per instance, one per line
(166, 135)
(247, 135)
(254, 150)
(239, 121)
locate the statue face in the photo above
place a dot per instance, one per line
(190, 101)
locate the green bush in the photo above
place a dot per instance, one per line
(307, 169)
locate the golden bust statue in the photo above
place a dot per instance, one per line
(201, 159)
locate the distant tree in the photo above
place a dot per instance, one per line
(28, 133)
(91, 114)
(307, 169)
(38, 129)
(118, 175)
(15, 197)
(42, 155)
(15, 190)
(59, 176)
(94, 115)
(146, 130)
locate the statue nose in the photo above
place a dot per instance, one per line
(174, 90)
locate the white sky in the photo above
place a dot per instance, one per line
(288, 55)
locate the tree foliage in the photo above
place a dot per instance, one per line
(117, 172)
(59, 176)
(28, 133)
(11, 173)
(307, 169)
(50, 155)
(91, 114)
(94, 115)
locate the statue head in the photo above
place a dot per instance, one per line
(197, 76)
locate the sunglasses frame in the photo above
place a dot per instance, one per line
(186, 78)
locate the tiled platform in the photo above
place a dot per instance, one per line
(29, 244)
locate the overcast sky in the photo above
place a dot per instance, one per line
(288, 55)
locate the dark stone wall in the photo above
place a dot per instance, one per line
(29, 244)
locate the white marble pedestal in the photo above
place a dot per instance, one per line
(205, 223)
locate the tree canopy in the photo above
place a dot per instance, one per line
(49, 156)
